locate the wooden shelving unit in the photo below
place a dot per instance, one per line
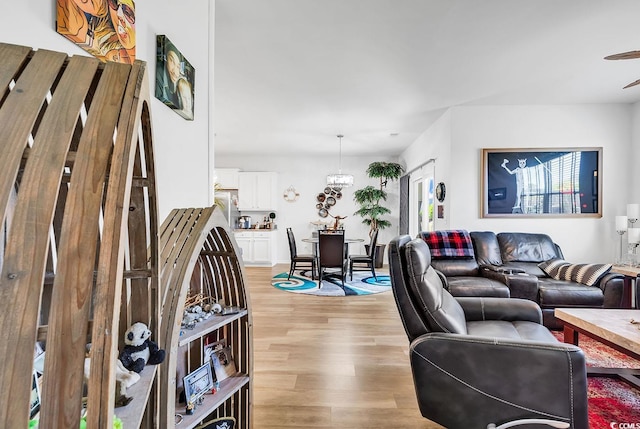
(200, 256)
(78, 233)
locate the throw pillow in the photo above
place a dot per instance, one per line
(587, 274)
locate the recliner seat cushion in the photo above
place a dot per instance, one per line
(517, 330)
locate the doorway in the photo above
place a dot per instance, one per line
(422, 200)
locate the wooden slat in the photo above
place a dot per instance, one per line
(104, 345)
(13, 57)
(78, 244)
(18, 114)
(27, 247)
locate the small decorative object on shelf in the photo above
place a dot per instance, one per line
(221, 423)
(139, 350)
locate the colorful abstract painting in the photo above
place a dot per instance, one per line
(104, 28)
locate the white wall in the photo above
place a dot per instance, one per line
(308, 176)
(434, 143)
(606, 126)
(181, 147)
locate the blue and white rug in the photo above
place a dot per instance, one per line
(363, 283)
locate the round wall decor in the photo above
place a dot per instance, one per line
(290, 194)
(441, 191)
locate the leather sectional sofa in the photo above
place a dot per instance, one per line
(508, 264)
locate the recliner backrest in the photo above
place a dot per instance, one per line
(442, 312)
(413, 318)
(526, 247)
(486, 248)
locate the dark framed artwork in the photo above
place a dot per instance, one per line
(104, 28)
(175, 78)
(541, 182)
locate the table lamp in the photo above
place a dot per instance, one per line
(621, 228)
(634, 240)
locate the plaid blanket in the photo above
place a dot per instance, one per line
(448, 243)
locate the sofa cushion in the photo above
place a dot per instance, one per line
(587, 274)
(565, 293)
(448, 243)
(477, 286)
(526, 247)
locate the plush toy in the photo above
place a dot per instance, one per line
(124, 380)
(139, 350)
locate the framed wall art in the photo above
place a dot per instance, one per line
(541, 182)
(104, 28)
(175, 78)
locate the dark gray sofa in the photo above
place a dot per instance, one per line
(507, 265)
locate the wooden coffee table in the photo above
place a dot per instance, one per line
(612, 327)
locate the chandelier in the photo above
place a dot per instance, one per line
(339, 180)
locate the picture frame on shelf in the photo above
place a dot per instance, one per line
(223, 363)
(541, 182)
(35, 396)
(197, 383)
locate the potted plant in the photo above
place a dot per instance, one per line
(370, 199)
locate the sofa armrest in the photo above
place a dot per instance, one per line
(486, 377)
(523, 286)
(509, 309)
(612, 286)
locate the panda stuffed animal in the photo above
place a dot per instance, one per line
(139, 350)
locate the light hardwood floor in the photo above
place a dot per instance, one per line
(326, 362)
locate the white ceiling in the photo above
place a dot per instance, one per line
(291, 74)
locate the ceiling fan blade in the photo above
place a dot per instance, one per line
(637, 82)
(624, 56)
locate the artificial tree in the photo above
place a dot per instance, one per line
(370, 199)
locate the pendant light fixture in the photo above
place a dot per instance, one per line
(339, 180)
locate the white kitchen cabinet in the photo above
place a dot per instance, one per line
(257, 191)
(227, 178)
(259, 248)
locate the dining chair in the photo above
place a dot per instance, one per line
(331, 253)
(365, 262)
(299, 260)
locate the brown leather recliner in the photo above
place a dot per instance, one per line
(478, 361)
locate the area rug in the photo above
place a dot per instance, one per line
(610, 400)
(363, 283)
